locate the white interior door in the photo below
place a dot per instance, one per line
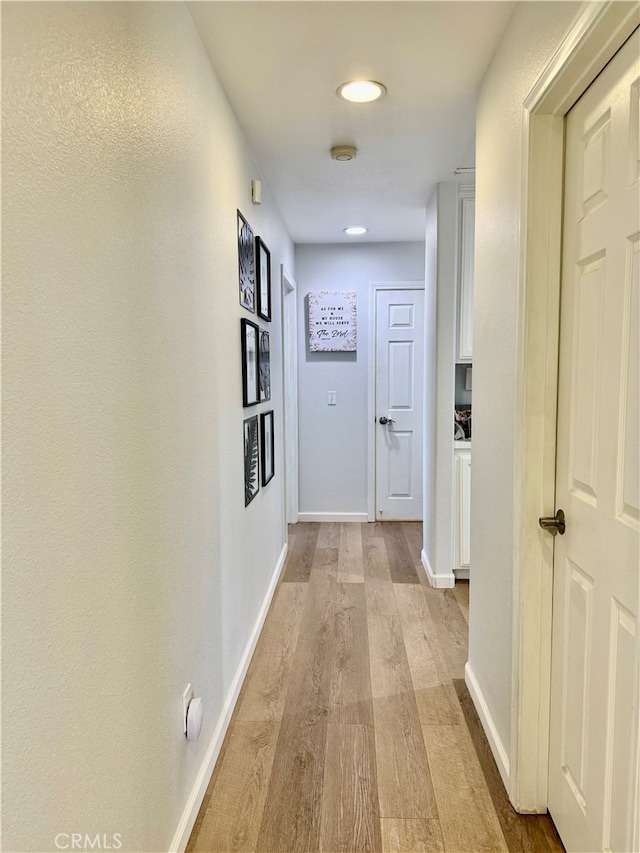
(593, 794)
(398, 409)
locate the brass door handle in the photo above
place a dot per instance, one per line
(554, 524)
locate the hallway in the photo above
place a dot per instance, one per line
(354, 730)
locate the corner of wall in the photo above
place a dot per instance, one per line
(482, 707)
(445, 580)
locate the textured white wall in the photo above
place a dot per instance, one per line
(131, 566)
(533, 34)
(430, 342)
(447, 194)
(442, 252)
(333, 439)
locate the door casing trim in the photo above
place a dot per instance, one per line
(597, 33)
(374, 287)
(289, 314)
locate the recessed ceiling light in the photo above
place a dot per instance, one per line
(355, 230)
(361, 91)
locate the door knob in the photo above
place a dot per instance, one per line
(382, 420)
(553, 523)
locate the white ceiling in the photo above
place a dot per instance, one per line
(280, 64)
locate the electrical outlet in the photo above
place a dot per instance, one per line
(331, 398)
(187, 696)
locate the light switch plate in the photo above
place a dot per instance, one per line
(331, 398)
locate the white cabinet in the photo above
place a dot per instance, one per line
(466, 231)
(463, 511)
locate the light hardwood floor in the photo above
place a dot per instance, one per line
(354, 730)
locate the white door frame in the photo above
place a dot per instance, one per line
(374, 287)
(290, 386)
(597, 33)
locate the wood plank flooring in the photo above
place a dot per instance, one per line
(354, 730)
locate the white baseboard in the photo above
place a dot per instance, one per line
(190, 813)
(497, 747)
(446, 581)
(461, 574)
(333, 516)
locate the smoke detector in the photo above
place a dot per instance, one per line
(344, 153)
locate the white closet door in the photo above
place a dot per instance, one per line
(593, 795)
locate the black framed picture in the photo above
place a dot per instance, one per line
(250, 339)
(266, 446)
(251, 474)
(246, 264)
(264, 362)
(263, 279)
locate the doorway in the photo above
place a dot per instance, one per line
(396, 400)
(597, 34)
(290, 386)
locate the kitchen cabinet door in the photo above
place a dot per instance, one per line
(465, 277)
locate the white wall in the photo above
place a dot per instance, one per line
(333, 439)
(443, 560)
(534, 32)
(441, 322)
(430, 409)
(131, 566)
